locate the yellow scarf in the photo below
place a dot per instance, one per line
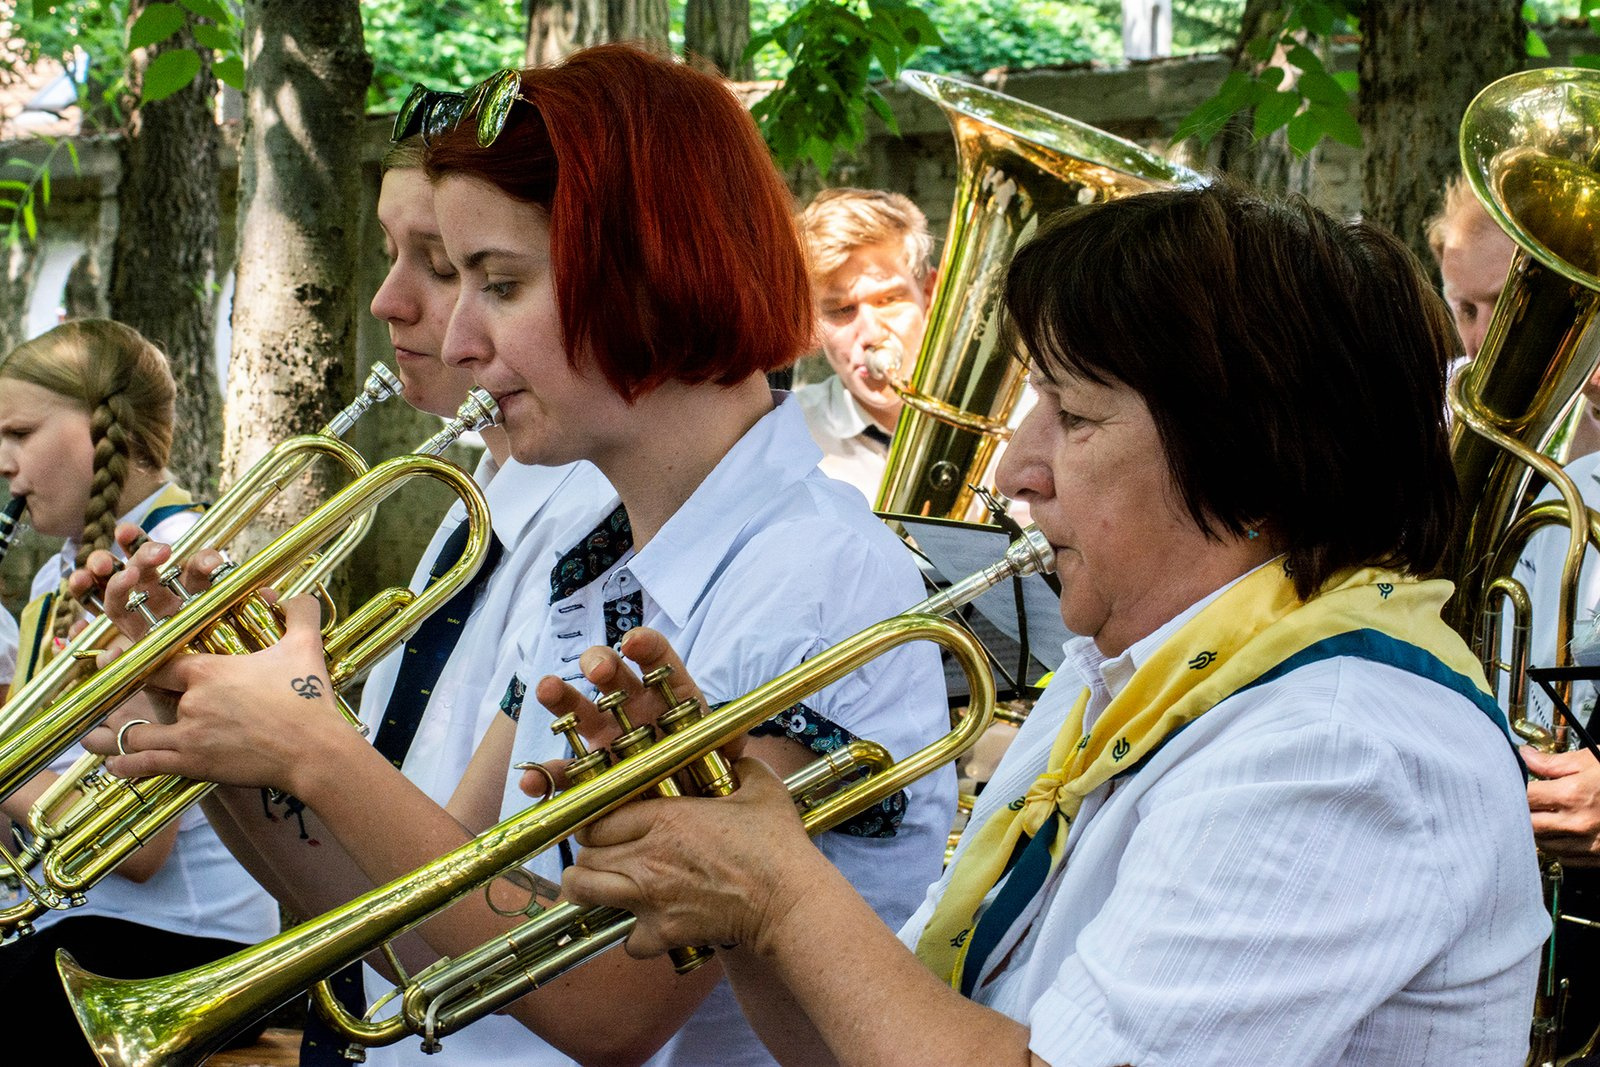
(1255, 631)
(36, 626)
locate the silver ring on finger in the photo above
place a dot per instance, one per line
(122, 733)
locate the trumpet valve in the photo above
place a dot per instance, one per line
(585, 764)
(612, 704)
(137, 603)
(171, 576)
(712, 774)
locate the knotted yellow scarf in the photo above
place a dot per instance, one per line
(1256, 630)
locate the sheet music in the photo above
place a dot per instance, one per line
(955, 550)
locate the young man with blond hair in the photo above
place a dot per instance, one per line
(872, 276)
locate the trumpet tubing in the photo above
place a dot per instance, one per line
(182, 1018)
(108, 821)
(29, 738)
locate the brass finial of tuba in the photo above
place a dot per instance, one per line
(1017, 163)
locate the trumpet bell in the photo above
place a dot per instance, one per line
(131, 1022)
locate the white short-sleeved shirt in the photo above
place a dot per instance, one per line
(8, 647)
(1539, 570)
(1332, 868)
(768, 563)
(536, 511)
(200, 890)
(838, 424)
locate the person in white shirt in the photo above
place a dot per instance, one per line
(870, 259)
(608, 331)
(86, 421)
(1268, 811)
(535, 511)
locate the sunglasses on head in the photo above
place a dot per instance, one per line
(430, 113)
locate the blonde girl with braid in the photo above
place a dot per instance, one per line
(86, 423)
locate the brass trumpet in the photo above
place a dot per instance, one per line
(29, 738)
(85, 824)
(181, 1019)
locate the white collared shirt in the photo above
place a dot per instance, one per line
(1539, 569)
(536, 512)
(838, 423)
(768, 563)
(200, 890)
(1334, 867)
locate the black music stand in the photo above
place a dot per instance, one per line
(1547, 677)
(1018, 622)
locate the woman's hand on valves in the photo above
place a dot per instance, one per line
(245, 720)
(656, 671)
(698, 871)
(112, 581)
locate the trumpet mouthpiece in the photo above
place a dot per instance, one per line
(479, 411)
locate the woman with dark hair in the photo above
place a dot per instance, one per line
(624, 288)
(1266, 812)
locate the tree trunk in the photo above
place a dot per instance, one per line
(294, 320)
(1421, 64)
(164, 263)
(715, 33)
(21, 270)
(640, 22)
(1269, 164)
(557, 28)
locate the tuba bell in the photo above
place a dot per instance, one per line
(1530, 148)
(1017, 163)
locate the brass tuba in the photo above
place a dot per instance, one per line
(183, 1018)
(1017, 163)
(1530, 145)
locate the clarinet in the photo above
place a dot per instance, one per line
(10, 521)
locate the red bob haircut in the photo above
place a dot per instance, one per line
(672, 245)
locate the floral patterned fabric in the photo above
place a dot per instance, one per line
(805, 727)
(592, 556)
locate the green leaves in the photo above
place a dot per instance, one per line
(22, 197)
(214, 28)
(837, 47)
(1289, 86)
(155, 24)
(167, 73)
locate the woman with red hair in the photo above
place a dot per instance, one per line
(629, 273)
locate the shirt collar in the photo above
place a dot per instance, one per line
(516, 492)
(678, 564)
(840, 413)
(1108, 676)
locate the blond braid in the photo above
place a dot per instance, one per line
(125, 384)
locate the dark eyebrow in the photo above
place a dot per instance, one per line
(474, 260)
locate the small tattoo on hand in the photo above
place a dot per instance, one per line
(309, 687)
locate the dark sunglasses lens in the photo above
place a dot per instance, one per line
(442, 112)
(499, 93)
(406, 120)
